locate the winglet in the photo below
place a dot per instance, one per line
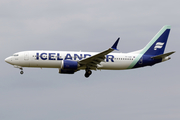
(115, 44)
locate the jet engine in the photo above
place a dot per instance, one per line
(68, 67)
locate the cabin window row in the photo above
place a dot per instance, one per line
(123, 58)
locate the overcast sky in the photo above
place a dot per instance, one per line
(149, 93)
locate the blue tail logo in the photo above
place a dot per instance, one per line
(159, 45)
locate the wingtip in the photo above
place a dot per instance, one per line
(115, 44)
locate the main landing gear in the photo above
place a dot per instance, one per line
(88, 73)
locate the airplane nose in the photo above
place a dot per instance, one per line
(8, 60)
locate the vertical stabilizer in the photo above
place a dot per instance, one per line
(158, 43)
(155, 47)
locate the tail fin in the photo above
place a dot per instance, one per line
(158, 43)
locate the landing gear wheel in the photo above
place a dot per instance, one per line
(88, 73)
(21, 72)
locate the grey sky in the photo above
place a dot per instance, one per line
(145, 93)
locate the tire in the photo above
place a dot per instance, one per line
(21, 72)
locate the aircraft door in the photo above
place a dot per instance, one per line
(26, 56)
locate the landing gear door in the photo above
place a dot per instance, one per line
(26, 56)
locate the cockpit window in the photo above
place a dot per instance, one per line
(15, 55)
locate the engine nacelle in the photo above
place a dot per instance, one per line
(69, 64)
(66, 71)
(68, 67)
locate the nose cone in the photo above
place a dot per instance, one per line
(8, 60)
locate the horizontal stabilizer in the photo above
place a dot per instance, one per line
(163, 55)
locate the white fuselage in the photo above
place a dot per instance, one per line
(54, 59)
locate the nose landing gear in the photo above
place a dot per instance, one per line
(88, 73)
(21, 72)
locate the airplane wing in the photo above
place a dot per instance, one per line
(93, 61)
(162, 55)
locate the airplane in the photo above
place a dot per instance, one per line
(69, 62)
